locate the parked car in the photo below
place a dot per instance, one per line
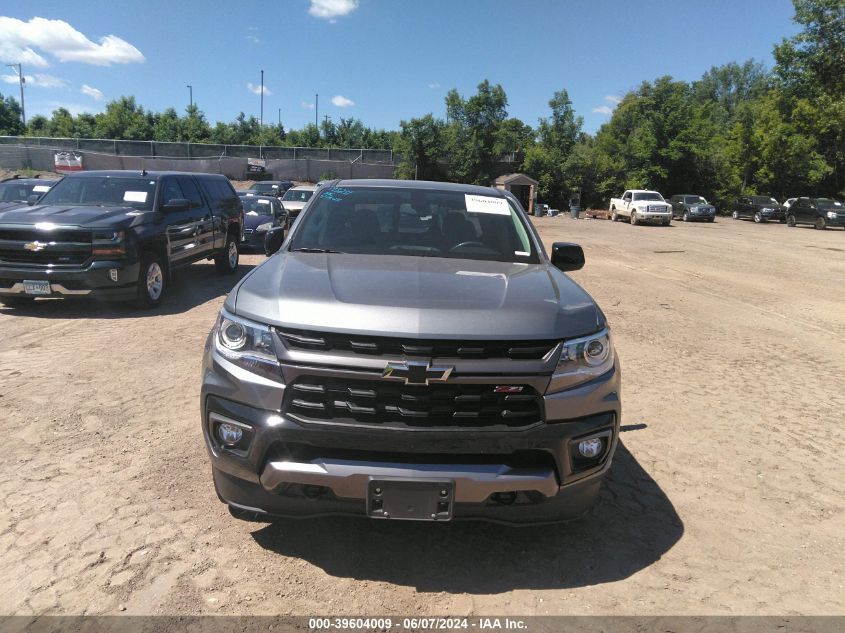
(411, 352)
(690, 207)
(16, 191)
(271, 187)
(641, 206)
(118, 235)
(261, 213)
(295, 199)
(758, 208)
(820, 212)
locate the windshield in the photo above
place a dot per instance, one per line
(827, 203)
(18, 191)
(264, 186)
(297, 195)
(648, 195)
(399, 221)
(260, 206)
(103, 191)
(695, 200)
(763, 200)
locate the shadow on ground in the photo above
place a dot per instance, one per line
(632, 525)
(192, 286)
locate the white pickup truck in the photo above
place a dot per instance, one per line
(641, 206)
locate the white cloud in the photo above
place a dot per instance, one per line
(95, 94)
(307, 106)
(613, 99)
(75, 109)
(434, 85)
(257, 89)
(19, 39)
(37, 80)
(253, 39)
(342, 102)
(604, 110)
(332, 9)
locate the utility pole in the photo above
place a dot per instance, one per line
(190, 97)
(317, 113)
(21, 81)
(261, 116)
(280, 117)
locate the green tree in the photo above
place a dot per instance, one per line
(10, 116)
(421, 145)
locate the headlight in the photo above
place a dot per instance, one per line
(108, 243)
(583, 359)
(831, 215)
(264, 227)
(247, 344)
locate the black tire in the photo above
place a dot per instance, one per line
(634, 219)
(226, 262)
(152, 281)
(758, 217)
(614, 217)
(790, 220)
(735, 215)
(820, 224)
(686, 216)
(17, 302)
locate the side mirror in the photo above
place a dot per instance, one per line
(273, 240)
(176, 204)
(567, 256)
(33, 199)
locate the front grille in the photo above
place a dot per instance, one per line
(33, 246)
(390, 346)
(393, 405)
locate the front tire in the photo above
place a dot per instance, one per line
(226, 262)
(634, 218)
(758, 217)
(790, 220)
(820, 224)
(686, 216)
(735, 215)
(614, 217)
(152, 281)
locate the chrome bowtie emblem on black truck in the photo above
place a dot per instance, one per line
(415, 372)
(35, 246)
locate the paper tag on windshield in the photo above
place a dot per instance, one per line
(40, 188)
(135, 196)
(263, 202)
(487, 204)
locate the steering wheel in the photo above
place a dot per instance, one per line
(469, 243)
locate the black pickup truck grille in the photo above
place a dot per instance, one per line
(28, 245)
(391, 405)
(392, 346)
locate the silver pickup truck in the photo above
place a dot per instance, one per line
(411, 352)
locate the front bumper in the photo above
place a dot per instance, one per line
(287, 468)
(93, 280)
(253, 240)
(654, 216)
(777, 214)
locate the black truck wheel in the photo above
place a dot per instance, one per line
(152, 281)
(226, 262)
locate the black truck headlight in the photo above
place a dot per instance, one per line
(583, 359)
(108, 243)
(247, 344)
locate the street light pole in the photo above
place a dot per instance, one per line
(190, 97)
(261, 116)
(280, 117)
(21, 81)
(317, 113)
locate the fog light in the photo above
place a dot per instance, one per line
(591, 447)
(113, 274)
(229, 434)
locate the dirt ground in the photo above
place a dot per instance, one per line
(726, 497)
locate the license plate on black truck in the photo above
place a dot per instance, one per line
(410, 499)
(36, 287)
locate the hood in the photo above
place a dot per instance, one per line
(93, 217)
(293, 205)
(5, 206)
(426, 297)
(251, 221)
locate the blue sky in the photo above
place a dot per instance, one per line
(381, 60)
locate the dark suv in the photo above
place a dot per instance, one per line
(275, 188)
(820, 212)
(411, 352)
(16, 191)
(689, 207)
(117, 235)
(758, 208)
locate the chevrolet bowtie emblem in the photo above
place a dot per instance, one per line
(35, 246)
(415, 372)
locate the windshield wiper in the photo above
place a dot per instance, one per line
(315, 250)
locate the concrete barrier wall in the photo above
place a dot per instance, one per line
(308, 169)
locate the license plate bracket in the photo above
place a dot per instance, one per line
(410, 499)
(36, 287)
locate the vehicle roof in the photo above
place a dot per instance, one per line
(303, 188)
(642, 190)
(688, 195)
(29, 181)
(269, 182)
(252, 196)
(123, 173)
(429, 185)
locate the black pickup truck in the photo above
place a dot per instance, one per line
(117, 235)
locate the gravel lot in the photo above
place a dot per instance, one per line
(727, 497)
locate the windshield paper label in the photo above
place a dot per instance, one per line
(40, 188)
(135, 196)
(487, 204)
